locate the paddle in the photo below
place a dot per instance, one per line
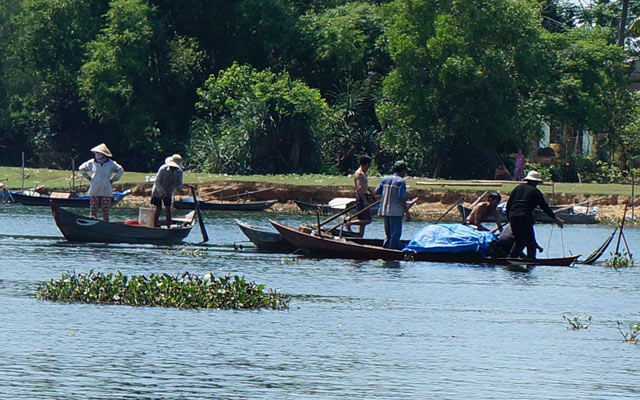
(355, 215)
(449, 209)
(245, 194)
(346, 210)
(205, 237)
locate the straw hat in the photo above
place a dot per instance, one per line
(102, 149)
(533, 176)
(174, 161)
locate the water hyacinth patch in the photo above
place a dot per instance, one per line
(162, 290)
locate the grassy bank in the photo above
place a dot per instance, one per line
(62, 179)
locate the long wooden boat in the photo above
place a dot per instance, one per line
(73, 200)
(329, 208)
(187, 204)
(77, 228)
(322, 208)
(567, 214)
(329, 247)
(265, 238)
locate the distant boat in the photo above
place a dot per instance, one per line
(570, 214)
(187, 204)
(265, 238)
(339, 204)
(64, 199)
(77, 228)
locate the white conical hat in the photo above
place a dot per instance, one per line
(174, 161)
(102, 149)
(533, 176)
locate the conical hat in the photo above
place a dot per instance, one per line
(102, 149)
(533, 176)
(174, 161)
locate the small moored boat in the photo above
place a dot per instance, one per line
(265, 238)
(77, 228)
(187, 204)
(63, 199)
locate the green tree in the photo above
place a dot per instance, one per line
(43, 52)
(463, 79)
(346, 63)
(587, 88)
(253, 121)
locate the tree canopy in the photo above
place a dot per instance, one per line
(267, 86)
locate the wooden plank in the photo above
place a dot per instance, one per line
(493, 184)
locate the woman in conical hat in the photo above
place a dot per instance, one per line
(101, 171)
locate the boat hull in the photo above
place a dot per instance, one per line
(265, 239)
(75, 202)
(542, 218)
(246, 206)
(324, 246)
(76, 228)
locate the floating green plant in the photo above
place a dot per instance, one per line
(577, 323)
(620, 260)
(633, 333)
(186, 251)
(162, 290)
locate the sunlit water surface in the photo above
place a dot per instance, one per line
(354, 329)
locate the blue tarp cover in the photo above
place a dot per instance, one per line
(450, 238)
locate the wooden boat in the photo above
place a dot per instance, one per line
(62, 199)
(327, 246)
(187, 204)
(265, 238)
(568, 213)
(77, 228)
(338, 204)
(322, 208)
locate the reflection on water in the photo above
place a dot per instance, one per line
(355, 329)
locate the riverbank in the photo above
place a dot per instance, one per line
(435, 196)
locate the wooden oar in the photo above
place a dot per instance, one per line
(355, 215)
(238, 195)
(217, 191)
(205, 237)
(449, 209)
(346, 210)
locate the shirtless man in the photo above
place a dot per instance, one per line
(484, 210)
(363, 195)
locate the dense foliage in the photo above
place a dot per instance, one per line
(261, 86)
(161, 290)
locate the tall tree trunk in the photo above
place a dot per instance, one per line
(623, 22)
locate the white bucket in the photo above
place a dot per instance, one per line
(145, 216)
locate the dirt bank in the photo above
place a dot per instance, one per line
(431, 205)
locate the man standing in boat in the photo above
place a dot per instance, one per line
(364, 196)
(523, 200)
(393, 204)
(168, 179)
(101, 172)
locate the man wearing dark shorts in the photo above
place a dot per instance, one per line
(169, 178)
(363, 195)
(522, 201)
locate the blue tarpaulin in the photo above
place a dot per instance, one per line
(450, 238)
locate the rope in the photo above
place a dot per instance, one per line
(549, 243)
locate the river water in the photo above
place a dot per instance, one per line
(354, 330)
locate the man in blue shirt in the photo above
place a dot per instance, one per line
(393, 204)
